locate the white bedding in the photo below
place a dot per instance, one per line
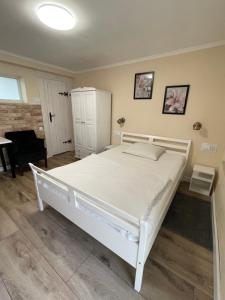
(168, 164)
(127, 182)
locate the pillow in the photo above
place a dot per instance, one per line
(145, 150)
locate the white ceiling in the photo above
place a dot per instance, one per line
(110, 31)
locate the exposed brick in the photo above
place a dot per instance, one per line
(15, 117)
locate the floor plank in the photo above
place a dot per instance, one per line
(27, 275)
(7, 226)
(200, 295)
(3, 292)
(63, 249)
(158, 282)
(94, 281)
(12, 194)
(192, 262)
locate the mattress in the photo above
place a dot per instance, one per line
(168, 165)
(128, 183)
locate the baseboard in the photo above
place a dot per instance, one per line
(216, 255)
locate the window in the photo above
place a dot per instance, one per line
(10, 89)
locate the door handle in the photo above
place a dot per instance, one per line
(51, 116)
(65, 142)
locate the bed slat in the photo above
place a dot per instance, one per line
(172, 145)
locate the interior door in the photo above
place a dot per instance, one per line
(58, 116)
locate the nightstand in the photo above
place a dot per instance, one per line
(202, 179)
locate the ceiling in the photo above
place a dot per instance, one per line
(110, 31)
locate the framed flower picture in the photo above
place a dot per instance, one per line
(175, 99)
(143, 85)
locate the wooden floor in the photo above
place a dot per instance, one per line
(44, 256)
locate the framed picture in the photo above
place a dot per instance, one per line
(175, 99)
(143, 85)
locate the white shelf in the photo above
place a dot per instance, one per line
(202, 179)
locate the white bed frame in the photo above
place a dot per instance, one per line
(65, 198)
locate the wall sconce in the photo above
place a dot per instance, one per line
(121, 121)
(197, 126)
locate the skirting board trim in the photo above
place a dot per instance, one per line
(216, 254)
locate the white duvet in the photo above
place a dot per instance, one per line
(131, 187)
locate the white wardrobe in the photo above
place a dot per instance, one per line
(91, 120)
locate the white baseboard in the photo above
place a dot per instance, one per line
(216, 255)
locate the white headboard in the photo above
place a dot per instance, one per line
(173, 145)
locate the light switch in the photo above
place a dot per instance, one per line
(205, 147)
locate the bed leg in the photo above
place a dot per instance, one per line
(40, 204)
(39, 200)
(138, 277)
(141, 256)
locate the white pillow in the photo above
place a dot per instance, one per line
(145, 150)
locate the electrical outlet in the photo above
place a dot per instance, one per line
(205, 147)
(117, 133)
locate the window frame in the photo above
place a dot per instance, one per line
(18, 79)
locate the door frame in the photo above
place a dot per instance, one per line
(41, 77)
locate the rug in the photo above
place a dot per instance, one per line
(190, 217)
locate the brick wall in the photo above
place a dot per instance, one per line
(15, 117)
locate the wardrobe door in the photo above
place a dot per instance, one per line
(90, 136)
(78, 107)
(79, 134)
(89, 106)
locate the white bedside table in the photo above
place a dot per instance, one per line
(202, 179)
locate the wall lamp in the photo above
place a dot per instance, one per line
(197, 126)
(121, 121)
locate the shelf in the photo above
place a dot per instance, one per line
(201, 178)
(204, 170)
(200, 186)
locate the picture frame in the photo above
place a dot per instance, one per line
(143, 85)
(175, 99)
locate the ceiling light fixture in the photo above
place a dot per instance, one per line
(56, 16)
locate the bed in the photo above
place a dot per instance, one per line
(117, 198)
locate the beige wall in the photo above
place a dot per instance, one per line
(28, 80)
(204, 70)
(28, 71)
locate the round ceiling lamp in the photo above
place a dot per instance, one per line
(56, 16)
